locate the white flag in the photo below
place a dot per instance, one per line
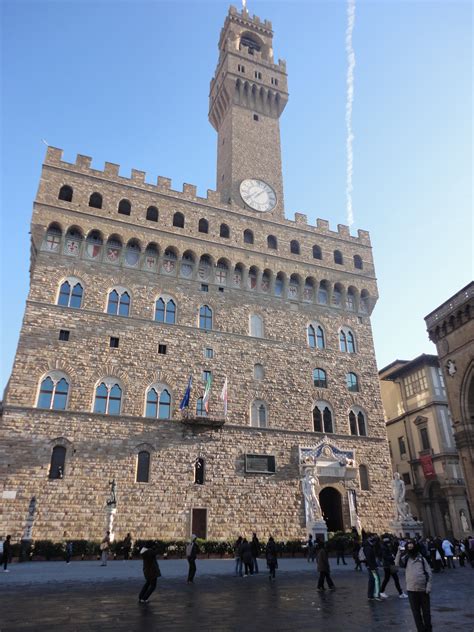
(224, 396)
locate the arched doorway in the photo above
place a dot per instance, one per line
(331, 506)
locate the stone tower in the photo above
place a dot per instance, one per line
(247, 96)
(135, 287)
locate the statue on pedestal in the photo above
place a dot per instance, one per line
(402, 509)
(311, 500)
(112, 500)
(464, 522)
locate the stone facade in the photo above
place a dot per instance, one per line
(263, 302)
(451, 327)
(422, 446)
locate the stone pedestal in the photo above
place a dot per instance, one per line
(111, 511)
(407, 528)
(319, 530)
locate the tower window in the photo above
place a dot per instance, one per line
(258, 75)
(65, 193)
(114, 342)
(95, 200)
(152, 214)
(143, 467)
(338, 257)
(224, 231)
(178, 220)
(255, 117)
(64, 335)
(124, 207)
(241, 68)
(203, 226)
(162, 349)
(248, 237)
(272, 242)
(58, 461)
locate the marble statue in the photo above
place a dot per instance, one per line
(311, 500)
(464, 522)
(112, 500)
(402, 509)
(447, 521)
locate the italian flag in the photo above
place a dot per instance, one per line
(207, 393)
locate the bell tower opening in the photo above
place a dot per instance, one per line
(331, 507)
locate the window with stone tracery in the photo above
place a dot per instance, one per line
(54, 391)
(118, 303)
(165, 310)
(158, 402)
(322, 417)
(70, 293)
(108, 397)
(259, 414)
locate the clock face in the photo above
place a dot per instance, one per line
(258, 195)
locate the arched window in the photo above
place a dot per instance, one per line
(124, 207)
(248, 237)
(158, 403)
(258, 372)
(95, 200)
(272, 242)
(152, 214)
(203, 226)
(350, 300)
(346, 341)
(364, 478)
(338, 257)
(357, 422)
(352, 382)
(57, 466)
(200, 408)
(65, 193)
(364, 302)
(317, 253)
(224, 231)
(70, 294)
(252, 278)
(322, 417)
(316, 337)
(258, 414)
(256, 326)
(178, 220)
(323, 294)
(199, 467)
(165, 311)
(205, 317)
(143, 467)
(294, 247)
(118, 303)
(54, 391)
(319, 378)
(358, 262)
(108, 398)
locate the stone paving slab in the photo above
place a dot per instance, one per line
(224, 603)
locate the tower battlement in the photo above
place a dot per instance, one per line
(188, 192)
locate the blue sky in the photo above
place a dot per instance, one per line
(128, 82)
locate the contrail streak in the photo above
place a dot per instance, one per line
(349, 101)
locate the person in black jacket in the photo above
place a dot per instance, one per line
(7, 547)
(390, 570)
(246, 555)
(369, 545)
(322, 561)
(271, 554)
(151, 571)
(192, 550)
(255, 546)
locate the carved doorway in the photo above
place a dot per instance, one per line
(331, 506)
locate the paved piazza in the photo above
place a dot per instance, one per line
(53, 596)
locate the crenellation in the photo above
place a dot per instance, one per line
(138, 176)
(301, 218)
(343, 230)
(111, 169)
(190, 190)
(322, 225)
(83, 162)
(54, 155)
(164, 183)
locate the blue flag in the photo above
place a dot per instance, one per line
(185, 401)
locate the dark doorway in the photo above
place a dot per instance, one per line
(199, 523)
(331, 506)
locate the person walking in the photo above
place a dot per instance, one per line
(238, 558)
(151, 572)
(104, 548)
(7, 551)
(310, 545)
(67, 549)
(127, 547)
(192, 551)
(322, 561)
(356, 554)
(246, 554)
(340, 550)
(255, 548)
(418, 578)
(448, 549)
(390, 570)
(373, 589)
(271, 555)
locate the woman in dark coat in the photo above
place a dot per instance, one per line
(322, 560)
(151, 571)
(246, 555)
(272, 559)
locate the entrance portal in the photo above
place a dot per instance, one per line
(331, 506)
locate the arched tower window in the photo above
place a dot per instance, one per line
(346, 341)
(364, 478)
(294, 247)
(178, 220)
(322, 417)
(118, 303)
(124, 207)
(95, 200)
(258, 414)
(352, 382)
(317, 253)
(165, 311)
(272, 242)
(358, 262)
(70, 294)
(224, 231)
(256, 326)
(316, 337)
(320, 378)
(152, 214)
(203, 226)
(108, 398)
(205, 317)
(338, 257)
(54, 391)
(248, 237)
(357, 422)
(65, 193)
(143, 467)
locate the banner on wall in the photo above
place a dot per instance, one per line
(427, 465)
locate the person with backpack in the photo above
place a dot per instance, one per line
(192, 551)
(151, 572)
(369, 549)
(418, 578)
(271, 555)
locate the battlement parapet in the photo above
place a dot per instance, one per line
(82, 166)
